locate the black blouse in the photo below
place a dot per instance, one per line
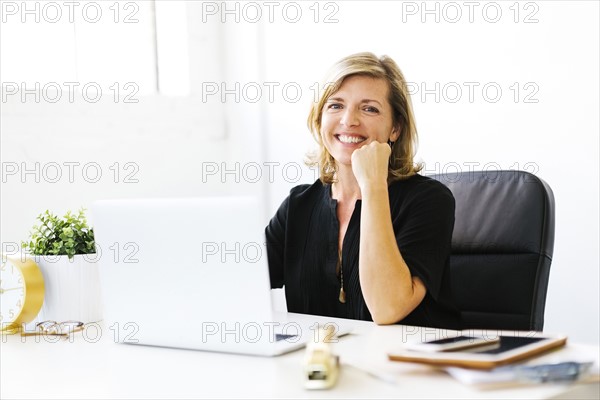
(302, 247)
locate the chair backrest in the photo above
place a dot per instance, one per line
(502, 248)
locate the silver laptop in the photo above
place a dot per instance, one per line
(191, 273)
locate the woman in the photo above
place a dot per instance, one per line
(371, 238)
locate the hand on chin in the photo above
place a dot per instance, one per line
(370, 164)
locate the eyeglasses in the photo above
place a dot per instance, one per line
(53, 328)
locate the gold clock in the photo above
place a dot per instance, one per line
(21, 292)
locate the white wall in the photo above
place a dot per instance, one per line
(171, 140)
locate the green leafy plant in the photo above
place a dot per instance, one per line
(69, 235)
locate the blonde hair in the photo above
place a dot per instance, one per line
(403, 150)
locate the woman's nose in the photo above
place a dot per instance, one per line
(349, 118)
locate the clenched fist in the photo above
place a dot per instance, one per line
(370, 164)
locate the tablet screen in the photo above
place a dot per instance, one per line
(506, 343)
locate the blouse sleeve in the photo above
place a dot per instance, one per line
(275, 236)
(424, 233)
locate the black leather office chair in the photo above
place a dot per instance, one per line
(501, 248)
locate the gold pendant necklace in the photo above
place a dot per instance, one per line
(342, 297)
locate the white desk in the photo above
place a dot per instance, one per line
(34, 367)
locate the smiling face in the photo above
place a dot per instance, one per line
(357, 114)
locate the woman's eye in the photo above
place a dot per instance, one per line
(371, 109)
(334, 106)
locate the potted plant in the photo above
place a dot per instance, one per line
(64, 249)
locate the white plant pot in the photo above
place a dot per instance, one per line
(72, 288)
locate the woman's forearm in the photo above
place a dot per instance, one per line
(390, 291)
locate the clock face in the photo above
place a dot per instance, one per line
(12, 292)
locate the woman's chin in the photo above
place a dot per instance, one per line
(344, 162)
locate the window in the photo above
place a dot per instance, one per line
(142, 44)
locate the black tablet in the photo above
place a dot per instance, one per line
(506, 350)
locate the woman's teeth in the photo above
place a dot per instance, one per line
(350, 139)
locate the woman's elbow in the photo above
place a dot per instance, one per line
(384, 322)
(394, 312)
(388, 317)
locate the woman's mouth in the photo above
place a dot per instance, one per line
(350, 139)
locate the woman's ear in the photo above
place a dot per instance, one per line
(395, 135)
